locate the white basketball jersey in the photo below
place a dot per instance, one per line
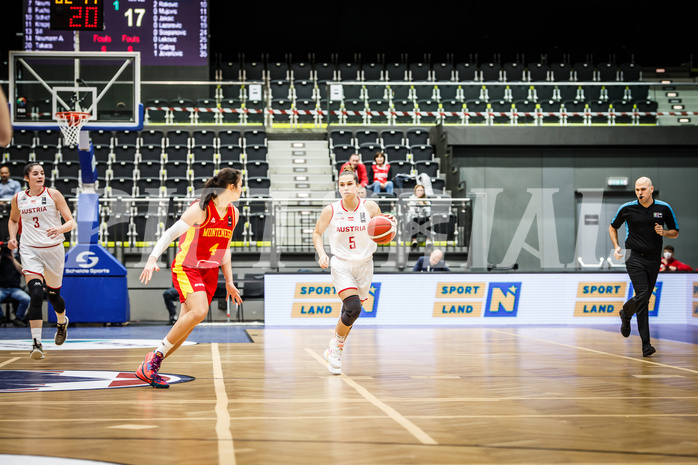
(348, 233)
(38, 215)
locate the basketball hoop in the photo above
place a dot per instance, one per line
(70, 123)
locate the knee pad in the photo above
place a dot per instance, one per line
(54, 296)
(351, 309)
(36, 299)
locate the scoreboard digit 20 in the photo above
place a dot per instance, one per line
(77, 15)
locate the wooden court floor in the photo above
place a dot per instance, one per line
(489, 395)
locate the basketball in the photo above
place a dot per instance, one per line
(381, 230)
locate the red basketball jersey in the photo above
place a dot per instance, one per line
(205, 245)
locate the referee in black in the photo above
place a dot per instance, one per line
(645, 219)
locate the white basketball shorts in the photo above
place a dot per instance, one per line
(352, 275)
(47, 262)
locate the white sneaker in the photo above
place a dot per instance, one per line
(333, 355)
(37, 352)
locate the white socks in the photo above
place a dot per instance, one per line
(164, 347)
(36, 334)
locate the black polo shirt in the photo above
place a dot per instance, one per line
(640, 234)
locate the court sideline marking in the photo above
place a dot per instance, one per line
(594, 351)
(413, 429)
(226, 449)
(7, 362)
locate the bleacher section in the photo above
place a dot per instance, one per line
(280, 94)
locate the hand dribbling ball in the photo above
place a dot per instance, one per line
(381, 229)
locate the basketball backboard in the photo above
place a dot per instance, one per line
(106, 84)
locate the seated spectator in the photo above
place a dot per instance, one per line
(171, 298)
(357, 166)
(361, 192)
(8, 187)
(434, 262)
(380, 175)
(11, 286)
(419, 215)
(669, 263)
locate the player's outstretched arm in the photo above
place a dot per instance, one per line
(13, 224)
(617, 251)
(5, 124)
(322, 223)
(193, 215)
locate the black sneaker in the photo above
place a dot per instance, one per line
(624, 324)
(61, 333)
(37, 352)
(648, 350)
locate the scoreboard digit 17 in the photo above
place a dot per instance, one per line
(77, 15)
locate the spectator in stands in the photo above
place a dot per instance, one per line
(380, 175)
(669, 263)
(355, 164)
(361, 192)
(419, 215)
(434, 262)
(8, 187)
(11, 286)
(171, 298)
(5, 123)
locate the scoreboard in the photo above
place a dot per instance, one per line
(165, 32)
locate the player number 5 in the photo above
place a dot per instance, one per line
(352, 242)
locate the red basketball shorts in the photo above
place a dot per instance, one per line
(189, 280)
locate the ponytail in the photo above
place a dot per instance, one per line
(350, 172)
(213, 186)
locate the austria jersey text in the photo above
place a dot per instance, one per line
(38, 214)
(348, 235)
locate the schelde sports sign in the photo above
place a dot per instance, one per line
(91, 260)
(443, 299)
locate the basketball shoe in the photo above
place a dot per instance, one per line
(61, 332)
(648, 350)
(333, 355)
(148, 371)
(37, 352)
(624, 324)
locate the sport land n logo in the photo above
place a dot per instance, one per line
(330, 306)
(607, 298)
(503, 300)
(460, 301)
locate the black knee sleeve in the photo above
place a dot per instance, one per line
(36, 299)
(54, 296)
(351, 309)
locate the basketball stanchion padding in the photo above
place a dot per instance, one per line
(70, 123)
(381, 229)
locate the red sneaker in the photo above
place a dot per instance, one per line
(148, 371)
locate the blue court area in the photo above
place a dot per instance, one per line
(208, 333)
(201, 334)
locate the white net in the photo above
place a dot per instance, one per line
(71, 122)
